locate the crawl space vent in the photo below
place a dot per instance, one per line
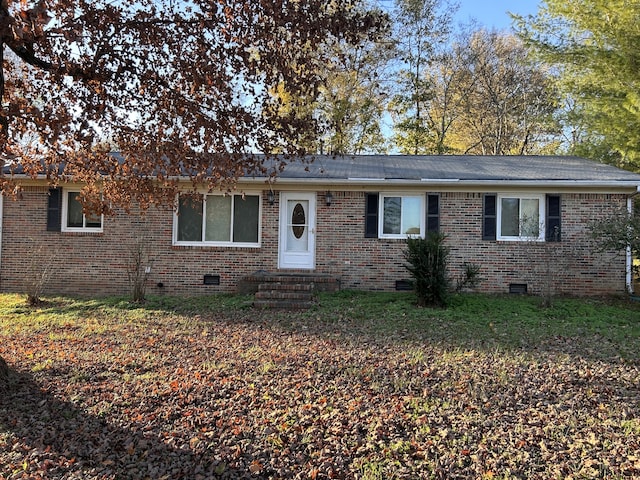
(518, 288)
(404, 285)
(212, 280)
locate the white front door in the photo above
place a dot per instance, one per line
(297, 230)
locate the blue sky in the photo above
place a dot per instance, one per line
(493, 13)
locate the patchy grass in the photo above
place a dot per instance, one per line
(603, 328)
(364, 386)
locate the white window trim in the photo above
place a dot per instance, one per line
(205, 243)
(541, 216)
(64, 216)
(401, 236)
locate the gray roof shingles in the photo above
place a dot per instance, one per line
(459, 167)
(464, 168)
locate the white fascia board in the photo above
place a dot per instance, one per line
(547, 184)
(440, 180)
(447, 181)
(540, 183)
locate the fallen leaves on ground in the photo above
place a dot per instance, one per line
(263, 395)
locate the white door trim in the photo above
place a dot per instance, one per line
(303, 257)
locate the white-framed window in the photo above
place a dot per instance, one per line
(401, 215)
(217, 220)
(74, 219)
(520, 217)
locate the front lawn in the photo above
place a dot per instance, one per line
(365, 386)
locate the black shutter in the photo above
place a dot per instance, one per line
(54, 210)
(371, 215)
(489, 217)
(433, 212)
(553, 218)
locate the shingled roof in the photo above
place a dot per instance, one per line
(459, 168)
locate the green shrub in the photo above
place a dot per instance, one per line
(427, 263)
(469, 278)
(617, 232)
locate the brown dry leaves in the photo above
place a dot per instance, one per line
(171, 397)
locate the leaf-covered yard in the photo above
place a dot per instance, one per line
(365, 386)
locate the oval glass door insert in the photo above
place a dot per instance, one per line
(298, 220)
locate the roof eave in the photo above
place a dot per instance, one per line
(402, 182)
(447, 181)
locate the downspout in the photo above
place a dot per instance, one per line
(629, 262)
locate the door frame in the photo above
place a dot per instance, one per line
(282, 231)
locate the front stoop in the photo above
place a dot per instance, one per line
(290, 291)
(289, 296)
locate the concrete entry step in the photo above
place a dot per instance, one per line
(283, 304)
(322, 282)
(292, 291)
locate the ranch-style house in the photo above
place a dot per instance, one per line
(523, 220)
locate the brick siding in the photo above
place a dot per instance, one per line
(93, 264)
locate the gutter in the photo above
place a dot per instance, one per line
(443, 181)
(415, 182)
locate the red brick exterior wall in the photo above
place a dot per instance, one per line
(568, 267)
(96, 264)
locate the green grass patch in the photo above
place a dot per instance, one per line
(603, 328)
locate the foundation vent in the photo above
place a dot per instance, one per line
(211, 280)
(404, 285)
(518, 288)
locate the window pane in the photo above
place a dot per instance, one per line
(74, 211)
(297, 233)
(246, 216)
(93, 220)
(530, 217)
(510, 222)
(218, 225)
(190, 220)
(411, 208)
(391, 215)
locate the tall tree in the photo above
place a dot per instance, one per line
(351, 101)
(506, 104)
(450, 82)
(180, 87)
(422, 27)
(354, 97)
(593, 45)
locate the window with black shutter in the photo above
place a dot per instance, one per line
(54, 210)
(489, 217)
(553, 233)
(433, 212)
(371, 215)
